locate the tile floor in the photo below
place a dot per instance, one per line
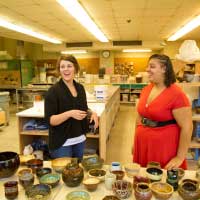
(119, 143)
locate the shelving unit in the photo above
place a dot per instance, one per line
(130, 92)
(193, 91)
(106, 111)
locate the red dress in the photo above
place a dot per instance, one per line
(158, 144)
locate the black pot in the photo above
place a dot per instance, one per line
(9, 163)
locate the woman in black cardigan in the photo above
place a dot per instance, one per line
(66, 112)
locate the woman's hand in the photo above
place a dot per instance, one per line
(94, 118)
(78, 114)
(174, 163)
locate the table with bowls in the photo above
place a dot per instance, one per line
(61, 191)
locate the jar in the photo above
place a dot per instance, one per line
(73, 174)
(11, 189)
(143, 192)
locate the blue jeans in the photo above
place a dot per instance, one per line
(73, 151)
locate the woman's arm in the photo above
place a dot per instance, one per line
(183, 117)
(58, 119)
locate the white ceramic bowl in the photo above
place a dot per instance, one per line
(132, 169)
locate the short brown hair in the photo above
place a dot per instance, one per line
(70, 58)
(169, 73)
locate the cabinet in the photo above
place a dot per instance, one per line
(130, 92)
(193, 92)
(106, 112)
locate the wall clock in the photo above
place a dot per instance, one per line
(106, 53)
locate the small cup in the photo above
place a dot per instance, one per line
(26, 180)
(115, 166)
(109, 180)
(11, 189)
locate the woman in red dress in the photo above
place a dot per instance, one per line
(164, 121)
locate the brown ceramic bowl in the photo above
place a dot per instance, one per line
(110, 197)
(140, 179)
(122, 189)
(119, 174)
(25, 158)
(24, 171)
(97, 173)
(91, 184)
(59, 164)
(34, 164)
(161, 191)
(189, 191)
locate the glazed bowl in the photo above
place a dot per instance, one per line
(153, 164)
(50, 179)
(91, 184)
(154, 173)
(140, 179)
(189, 191)
(119, 174)
(9, 163)
(131, 169)
(161, 191)
(34, 164)
(79, 195)
(97, 173)
(181, 173)
(122, 189)
(110, 197)
(39, 191)
(26, 180)
(59, 164)
(24, 171)
(92, 162)
(42, 171)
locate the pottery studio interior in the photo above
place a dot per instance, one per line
(99, 100)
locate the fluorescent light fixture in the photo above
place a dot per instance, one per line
(185, 29)
(23, 30)
(74, 52)
(136, 50)
(78, 12)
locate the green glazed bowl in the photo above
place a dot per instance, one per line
(78, 195)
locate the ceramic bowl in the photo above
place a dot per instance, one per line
(122, 189)
(119, 174)
(132, 169)
(92, 162)
(24, 171)
(91, 184)
(9, 163)
(189, 191)
(181, 173)
(154, 174)
(26, 179)
(59, 164)
(140, 179)
(34, 164)
(161, 191)
(42, 171)
(79, 195)
(153, 164)
(97, 173)
(50, 179)
(110, 197)
(39, 191)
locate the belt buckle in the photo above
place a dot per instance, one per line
(148, 122)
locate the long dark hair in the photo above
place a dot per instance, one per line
(169, 72)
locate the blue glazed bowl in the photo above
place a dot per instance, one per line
(50, 179)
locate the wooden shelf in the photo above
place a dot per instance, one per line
(91, 135)
(35, 132)
(194, 144)
(196, 117)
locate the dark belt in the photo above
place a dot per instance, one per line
(151, 123)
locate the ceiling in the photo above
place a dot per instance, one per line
(151, 21)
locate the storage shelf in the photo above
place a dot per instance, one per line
(35, 132)
(194, 144)
(196, 117)
(91, 135)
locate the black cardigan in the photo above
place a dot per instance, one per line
(59, 99)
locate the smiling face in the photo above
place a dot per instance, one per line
(156, 71)
(67, 70)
